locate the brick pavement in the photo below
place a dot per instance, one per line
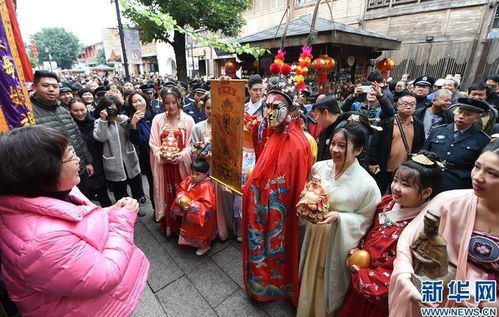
(183, 284)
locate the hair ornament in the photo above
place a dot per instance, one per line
(425, 160)
(354, 118)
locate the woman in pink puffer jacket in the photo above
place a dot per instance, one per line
(61, 254)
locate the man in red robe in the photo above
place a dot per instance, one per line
(270, 234)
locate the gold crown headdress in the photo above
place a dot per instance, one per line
(425, 160)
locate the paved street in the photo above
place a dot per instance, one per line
(184, 284)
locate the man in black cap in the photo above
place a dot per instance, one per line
(192, 108)
(326, 112)
(170, 83)
(254, 106)
(148, 91)
(459, 144)
(99, 92)
(422, 88)
(65, 95)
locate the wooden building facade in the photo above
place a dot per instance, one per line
(439, 37)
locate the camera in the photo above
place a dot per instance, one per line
(111, 112)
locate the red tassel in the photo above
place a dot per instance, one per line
(275, 69)
(285, 69)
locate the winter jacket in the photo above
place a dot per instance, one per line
(57, 117)
(70, 259)
(118, 152)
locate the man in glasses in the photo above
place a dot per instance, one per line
(402, 134)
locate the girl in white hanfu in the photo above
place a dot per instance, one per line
(353, 197)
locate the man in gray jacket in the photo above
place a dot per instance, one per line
(49, 112)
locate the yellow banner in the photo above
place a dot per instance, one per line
(227, 116)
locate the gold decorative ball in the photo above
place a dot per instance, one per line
(184, 201)
(361, 258)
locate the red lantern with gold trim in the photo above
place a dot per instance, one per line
(231, 67)
(323, 65)
(385, 66)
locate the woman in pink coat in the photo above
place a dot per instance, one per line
(61, 254)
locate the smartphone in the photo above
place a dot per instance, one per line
(366, 89)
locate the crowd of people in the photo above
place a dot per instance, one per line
(374, 161)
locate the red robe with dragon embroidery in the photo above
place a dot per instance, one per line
(199, 221)
(368, 294)
(270, 234)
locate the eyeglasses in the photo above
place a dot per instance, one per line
(74, 157)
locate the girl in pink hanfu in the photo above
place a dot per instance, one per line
(469, 222)
(195, 202)
(170, 143)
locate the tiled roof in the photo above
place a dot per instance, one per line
(301, 26)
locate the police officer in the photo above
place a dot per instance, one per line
(459, 144)
(191, 106)
(148, 90)
(421, 90)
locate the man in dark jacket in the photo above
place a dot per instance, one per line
(435, 114)
(326, 112)
(388, 147)
(459, 144)
(49, 112)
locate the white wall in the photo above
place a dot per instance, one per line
(165, 55)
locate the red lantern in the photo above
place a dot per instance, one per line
(231, 67)
(323, 65)
(384, 66)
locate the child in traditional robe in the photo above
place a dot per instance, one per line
(415, 182)
(195, 202)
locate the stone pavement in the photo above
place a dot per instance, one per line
(183, 284)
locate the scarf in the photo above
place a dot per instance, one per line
(86, 127)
